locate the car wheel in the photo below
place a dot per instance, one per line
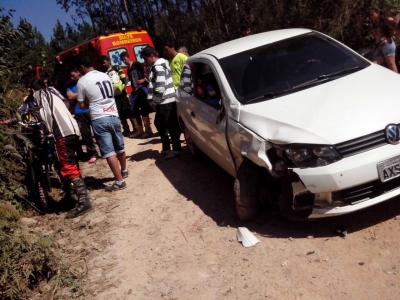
(245, 191)
(194, 150)
(268, 191)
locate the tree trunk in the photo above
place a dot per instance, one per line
(127, 13)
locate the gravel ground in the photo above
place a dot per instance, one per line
(172, 235)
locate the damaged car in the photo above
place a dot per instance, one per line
(300, 120)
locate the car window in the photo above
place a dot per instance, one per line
(288, 66)
(115, 59)
(203, 84)
(137, 50)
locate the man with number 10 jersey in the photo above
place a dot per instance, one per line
(95, 89)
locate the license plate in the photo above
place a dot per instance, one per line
(389, 169)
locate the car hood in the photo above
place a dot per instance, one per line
(339, 110)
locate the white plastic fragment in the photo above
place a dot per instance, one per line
(246, 237)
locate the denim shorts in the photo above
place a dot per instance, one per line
(107, 131)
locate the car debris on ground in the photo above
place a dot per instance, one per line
(247, 238)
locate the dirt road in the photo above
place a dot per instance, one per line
(172, 235)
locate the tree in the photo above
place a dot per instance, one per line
(201, 23)
(58, 40)
(67, 36)
(20, 46)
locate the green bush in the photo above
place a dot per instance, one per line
(12, 166)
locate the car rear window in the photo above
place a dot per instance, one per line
(137, 49)
(287, 66)
(114, 56)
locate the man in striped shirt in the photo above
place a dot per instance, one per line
(162, 97)
(186, 83)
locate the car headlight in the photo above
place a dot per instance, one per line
(309, 156)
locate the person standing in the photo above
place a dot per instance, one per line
(64, 128)
(162, 96)
(140, 106)
(121, 98)
(386, 49)
(96, 88)
(184, 50)
(177, 61)
(82, 116)
(186, 83)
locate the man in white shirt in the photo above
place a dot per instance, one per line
(96, 89)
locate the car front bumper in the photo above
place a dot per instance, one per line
(350, 175)
(341, 210)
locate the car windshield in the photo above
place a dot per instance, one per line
(288, 66)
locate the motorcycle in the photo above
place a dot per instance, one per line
(40, 158)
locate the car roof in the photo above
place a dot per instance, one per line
(252, 41)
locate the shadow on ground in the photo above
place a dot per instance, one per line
(148, 154)
(210, 188)
(151, 142)
(93, 183)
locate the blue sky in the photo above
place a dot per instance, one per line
(40, 13)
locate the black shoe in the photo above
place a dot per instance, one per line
(172, 154)
(164, 152)
(79, 210)
(115, 187)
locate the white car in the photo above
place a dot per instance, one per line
(299, 119)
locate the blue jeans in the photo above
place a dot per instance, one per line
(107, 131)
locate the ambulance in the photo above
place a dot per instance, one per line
(111, 45)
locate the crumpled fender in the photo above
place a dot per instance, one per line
(246, 144)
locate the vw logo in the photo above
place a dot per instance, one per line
(392, 134)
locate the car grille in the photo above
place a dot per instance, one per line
(361, 144)
(365, 191)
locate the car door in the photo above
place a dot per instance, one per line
(207, 114)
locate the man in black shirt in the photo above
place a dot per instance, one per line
(140, 106)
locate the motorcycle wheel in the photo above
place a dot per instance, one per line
(42, 195)
(39, 192)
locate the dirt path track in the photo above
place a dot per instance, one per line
(171, 235)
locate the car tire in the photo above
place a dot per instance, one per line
(193, 149)
(268, 190)
(245, 191)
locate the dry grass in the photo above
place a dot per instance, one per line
(28, 264)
